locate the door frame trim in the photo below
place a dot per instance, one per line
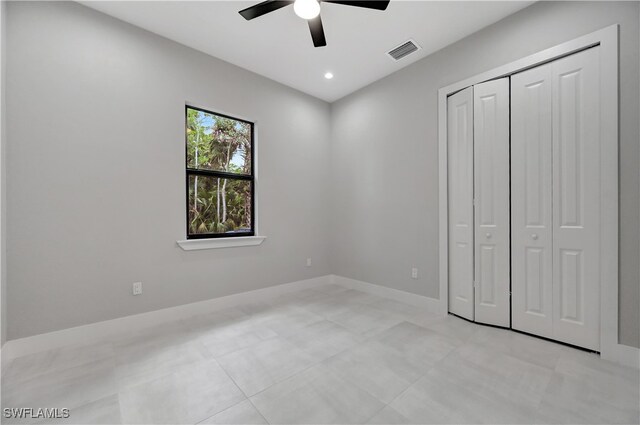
(607, 39)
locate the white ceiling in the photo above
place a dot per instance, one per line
(278, 45)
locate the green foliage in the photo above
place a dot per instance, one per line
(216, 204)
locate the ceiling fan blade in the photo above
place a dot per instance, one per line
(263, 8)
(378, 5)
(317, 32)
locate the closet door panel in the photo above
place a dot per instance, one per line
(491, 186)
(576, 199)
(460, 180)
(531, 201)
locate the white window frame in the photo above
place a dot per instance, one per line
(214, 243)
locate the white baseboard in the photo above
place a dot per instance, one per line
(3, 362)
(100, 331)
(431, 305)
(622, 354)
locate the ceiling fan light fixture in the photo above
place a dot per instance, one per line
(309, 10)
(306, 9)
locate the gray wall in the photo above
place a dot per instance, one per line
(385, 151)
(3, 180)
(95, 183)
(95, 175)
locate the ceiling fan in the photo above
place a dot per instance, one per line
(309, 10)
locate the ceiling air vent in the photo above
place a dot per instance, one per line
(403, 50)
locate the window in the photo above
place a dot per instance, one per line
(220, 179)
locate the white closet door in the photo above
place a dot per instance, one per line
(460, 179)
(531, 200)
(491, 181)
(576, 199)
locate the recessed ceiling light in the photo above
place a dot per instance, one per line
(328, 75)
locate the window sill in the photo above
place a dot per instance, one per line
(213, 243)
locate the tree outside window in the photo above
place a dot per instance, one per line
(219, 174)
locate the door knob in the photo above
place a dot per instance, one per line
(534, 236)
(488, 235)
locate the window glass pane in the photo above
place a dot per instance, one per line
(219, 205)
(218, 143)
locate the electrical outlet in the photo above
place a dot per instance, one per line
(414, 273)
(137, 288)
(308, 262)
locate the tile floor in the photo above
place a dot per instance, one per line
(326, 355)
